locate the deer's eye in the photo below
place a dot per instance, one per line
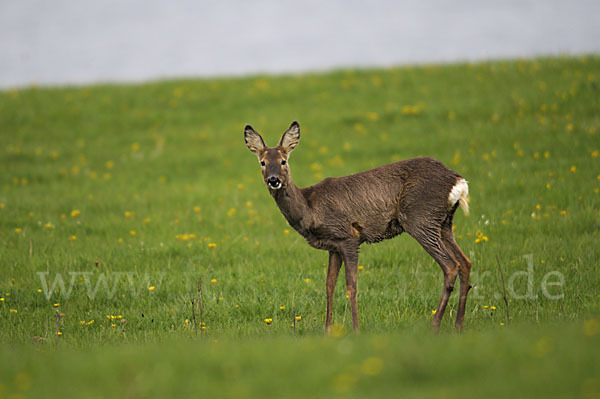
(283, 162)
(262, 163)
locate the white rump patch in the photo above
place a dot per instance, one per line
(460, 193)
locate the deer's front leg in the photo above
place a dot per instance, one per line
(350, 257)
(335, 263)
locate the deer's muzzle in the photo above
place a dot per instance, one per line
(274, 182)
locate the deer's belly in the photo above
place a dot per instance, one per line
(372, 232)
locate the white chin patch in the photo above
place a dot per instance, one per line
(277, 187)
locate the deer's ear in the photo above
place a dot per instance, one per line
(290, 138)
(254, 141)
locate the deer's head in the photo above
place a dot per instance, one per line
(274, 160)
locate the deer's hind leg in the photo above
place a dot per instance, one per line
(464, 269)
(430, 238)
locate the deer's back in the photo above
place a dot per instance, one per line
(380, 203)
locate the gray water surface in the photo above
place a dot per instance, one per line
(76, 42)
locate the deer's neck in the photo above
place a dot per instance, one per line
(292, 204)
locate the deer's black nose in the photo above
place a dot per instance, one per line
(274, 182)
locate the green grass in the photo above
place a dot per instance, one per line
(523, 362)
(157, 172)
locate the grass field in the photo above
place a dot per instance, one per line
(116, 200)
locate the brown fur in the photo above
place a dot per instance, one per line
(339, 214)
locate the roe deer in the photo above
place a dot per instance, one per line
(418, 196)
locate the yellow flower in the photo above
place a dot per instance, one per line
(591, 327)
(231, 212)
(485, 306)
(337, 331)
(298, 318)
(372, 116)
(480, 237)
(197, 209)
(1, 205)
(151, 288)
(109, 164)
(48, 226)
(563, 212)
(147, 220)
(73, 238)
(56, 305)
(18, 230)
(594, 155)
(268, 321)
(213, 281)
(282, 308)
(90, 322)
(434, 311)
(39, 290)
(493, 307)
(132, 233)
(14, 311)
(372, 366)
(128, 214)
(82, 322)
(59, 333)
(307, 280)
(361, 267)
(120, 240)
(412, 109)
(75, 213)
(212, 245)
(286, 231)
(1, 299)
(135, 147)
(573, 169)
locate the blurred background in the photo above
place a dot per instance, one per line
(75, 42)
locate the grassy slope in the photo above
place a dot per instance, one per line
(525, 134)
